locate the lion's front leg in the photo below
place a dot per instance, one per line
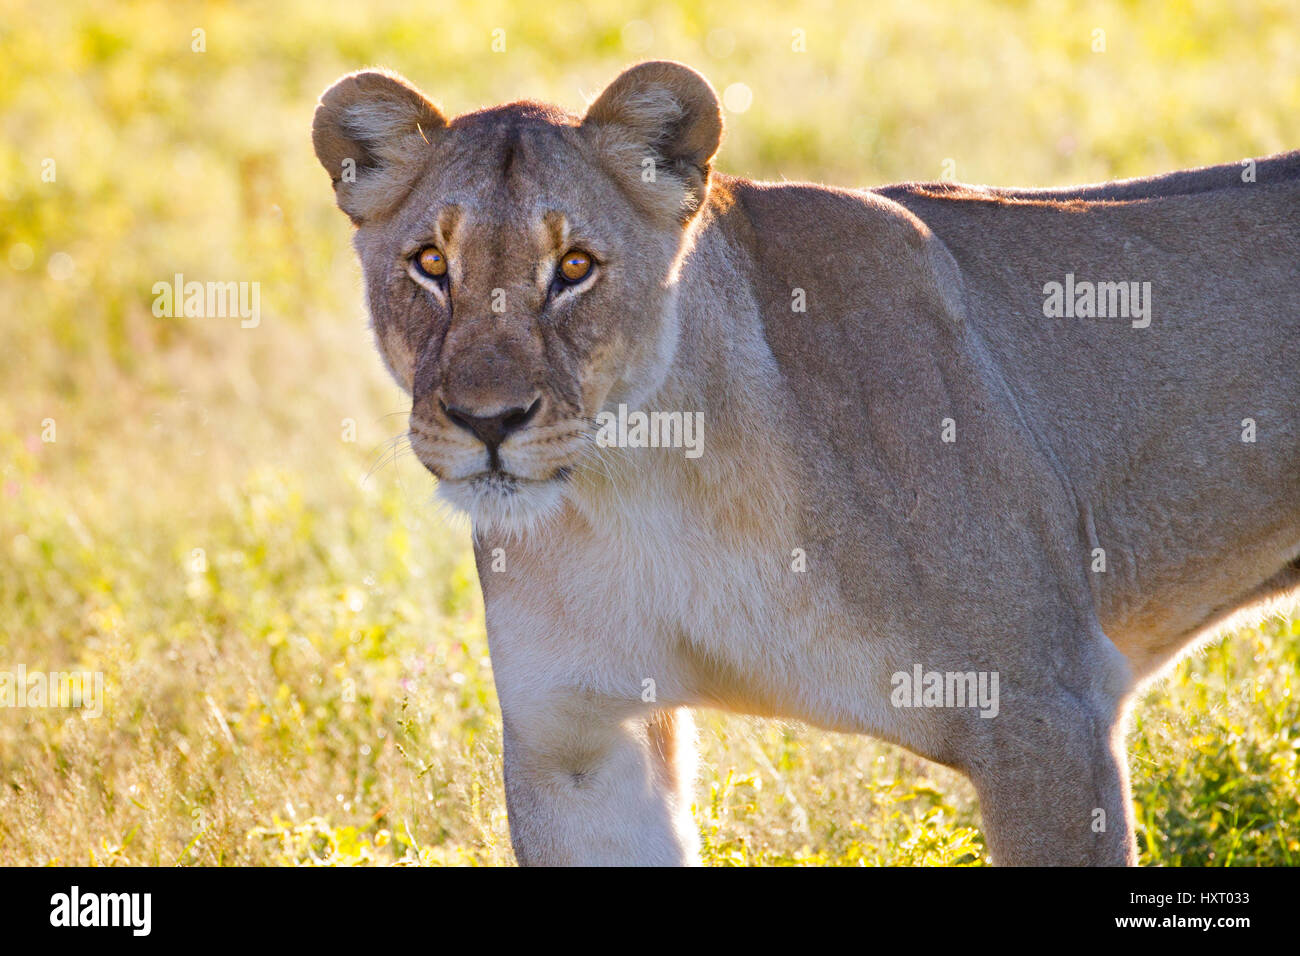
(603, 783)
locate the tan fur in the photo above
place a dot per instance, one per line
(828, 538)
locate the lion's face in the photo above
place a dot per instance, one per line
(514, 294)
(520, 266)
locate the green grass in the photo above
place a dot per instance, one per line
(291, 634)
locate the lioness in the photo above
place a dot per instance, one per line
(975, 462)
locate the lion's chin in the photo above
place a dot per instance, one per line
(501, 503)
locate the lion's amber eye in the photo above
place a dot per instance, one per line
(431, 262)
(575, 265)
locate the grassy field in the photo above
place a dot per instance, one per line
(213, 517)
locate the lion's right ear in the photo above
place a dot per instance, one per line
(372, 132)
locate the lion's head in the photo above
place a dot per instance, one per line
(520, 265)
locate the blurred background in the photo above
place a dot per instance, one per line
(217, 518)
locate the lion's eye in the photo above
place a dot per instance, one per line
(574, 266)
(431, 262)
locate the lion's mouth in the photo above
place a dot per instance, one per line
(499, 481)
(495, 480)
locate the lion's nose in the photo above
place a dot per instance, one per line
(492, 430)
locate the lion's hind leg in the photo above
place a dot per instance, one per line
(1050, 769)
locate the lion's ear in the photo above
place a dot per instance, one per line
(658, 127)
(372, 132)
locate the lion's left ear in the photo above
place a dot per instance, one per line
(657, 128)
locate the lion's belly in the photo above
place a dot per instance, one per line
(1176, 572)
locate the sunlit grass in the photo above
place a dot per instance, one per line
(291, 634)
